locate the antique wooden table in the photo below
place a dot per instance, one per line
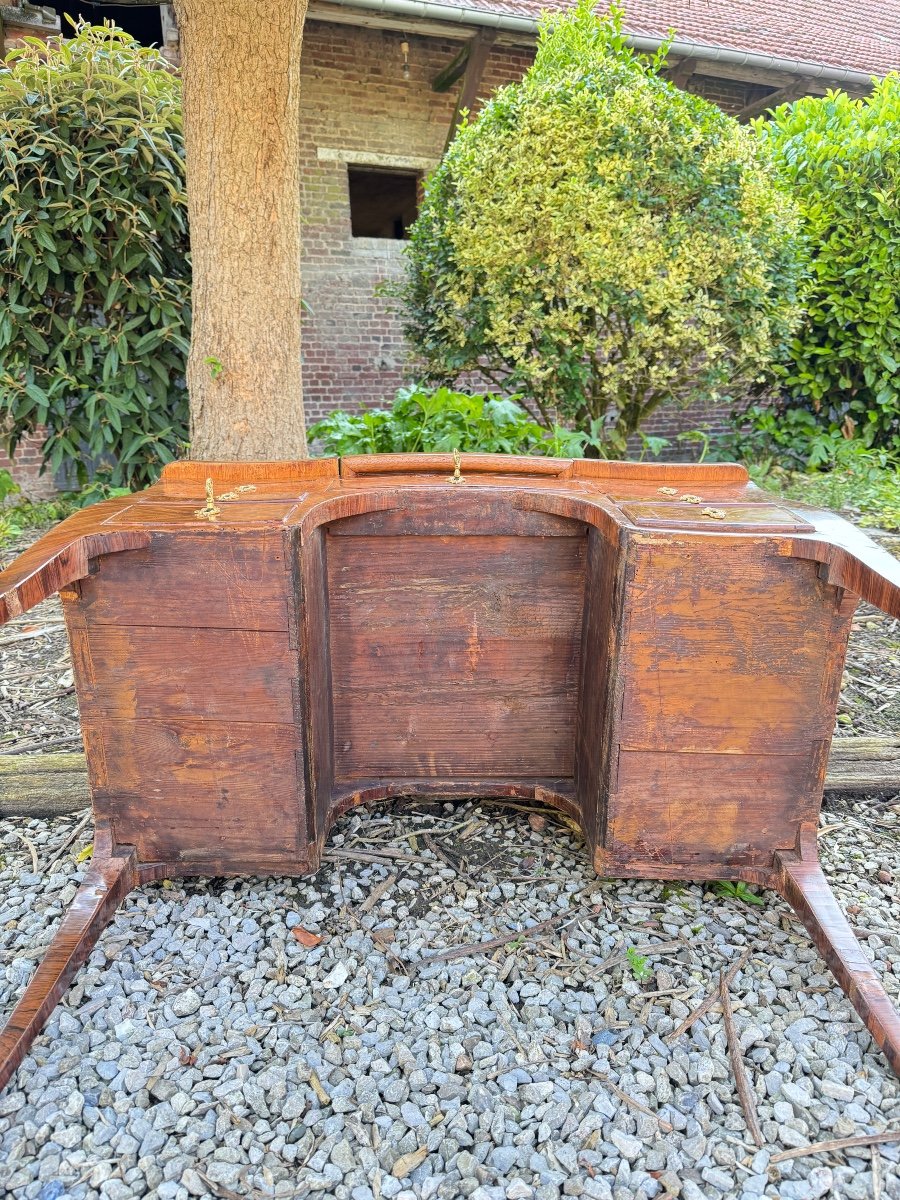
(654, 649)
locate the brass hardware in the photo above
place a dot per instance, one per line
(667, 491)
(235, 495)
(209, 512)
(689, 499)
(715, 513)
(457, 476)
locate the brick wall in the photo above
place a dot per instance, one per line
(359, 109)
(26, 469)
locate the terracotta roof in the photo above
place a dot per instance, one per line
(860, 35)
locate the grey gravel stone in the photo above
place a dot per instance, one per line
(186, 1004)
(628, 1146)
(202, 1039)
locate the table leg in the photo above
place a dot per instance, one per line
(104, 887)
(803, 884)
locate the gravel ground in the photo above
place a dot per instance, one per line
(213, 1045)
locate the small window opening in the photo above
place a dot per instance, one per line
(383, 204)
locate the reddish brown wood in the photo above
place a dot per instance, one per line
(104, 887)
(802, 883)
(654, 649)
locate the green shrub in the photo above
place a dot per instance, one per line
(602, 242)
(860, 481)
(841, 158)
(441, 421)
(8, 487)
(94, 267)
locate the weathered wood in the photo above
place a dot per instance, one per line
(654, 649)
(104, 887)
(43, 785)
(864, 764)
(55, 785)
(460, 660)
(476, 60)
(447, 76)
(798, 87)
(682, 71)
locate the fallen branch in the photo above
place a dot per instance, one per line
(702, 1009)
(863, 1139)
(498, 942)
(745, 1094)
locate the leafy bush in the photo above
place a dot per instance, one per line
(441, 421)
(841, 158)
(8, 487)
(29, 516)
(602, 242)
(860, 481)
(93, 253)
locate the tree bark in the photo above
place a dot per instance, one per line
(241, 70)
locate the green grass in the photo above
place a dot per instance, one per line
(863, 484)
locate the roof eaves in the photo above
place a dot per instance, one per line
(492, 18)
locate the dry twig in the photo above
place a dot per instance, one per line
(68, 841)
(745, 1093)
(376, 893)
(498, 942)
(702, 1009)
(863, 1139)
(635, 1104)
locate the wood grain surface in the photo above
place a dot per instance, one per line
(578, 631)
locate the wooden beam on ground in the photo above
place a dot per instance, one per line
(54, 785)
(445, 79)
(756, 108)
(864, 764)
(479, 52)
(43, 785)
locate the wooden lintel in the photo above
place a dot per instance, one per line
(479, 51)
(784, 95)
(445, 79)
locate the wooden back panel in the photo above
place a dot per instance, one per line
(454, 655)
(728, 682)
(188, 678)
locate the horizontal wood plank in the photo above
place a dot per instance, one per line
(455, 656)
(206, 580)
(666, 804)
(165, 673)
(199, 790)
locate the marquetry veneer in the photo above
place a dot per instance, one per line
(654, 649)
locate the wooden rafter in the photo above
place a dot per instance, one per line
(799, 87)
(682, 71)
(479, 50)
(445, 78)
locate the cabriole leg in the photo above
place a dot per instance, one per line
(102, 890)
(804, 886)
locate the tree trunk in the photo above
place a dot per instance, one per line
(241, 70)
